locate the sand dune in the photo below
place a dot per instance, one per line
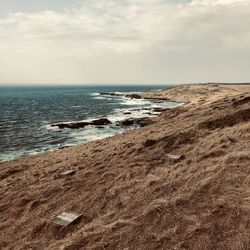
(130, 194)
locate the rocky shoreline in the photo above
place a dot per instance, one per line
(131, 121)
(141, 96)
(100, 123)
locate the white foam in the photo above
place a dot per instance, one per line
(18, 154)
(75, 106)
(91, 133)
(135, 102)
(102, 98)
(118, 114)
(49, 127)
(94, 94)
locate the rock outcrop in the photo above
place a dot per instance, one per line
(132, 96)
(77, 125)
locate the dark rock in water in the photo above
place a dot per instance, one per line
(111, 94)
(127, 122)
(72, 125)
(137, 96)
(153, 109)
(148, 113)
(149, 142)
(133, 96)
(101, 121)
(77, 125)
(127, 113)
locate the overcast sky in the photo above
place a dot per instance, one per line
(124, 41)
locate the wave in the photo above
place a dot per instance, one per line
(102, 98)
(94, 94)
(135, 102)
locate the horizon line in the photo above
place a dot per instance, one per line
(112, 84)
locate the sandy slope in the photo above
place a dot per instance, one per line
(131, 196)
(199, 93)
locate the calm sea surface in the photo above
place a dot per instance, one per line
(26, 115)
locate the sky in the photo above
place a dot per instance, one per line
(124, 41)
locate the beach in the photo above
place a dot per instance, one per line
(182, 182)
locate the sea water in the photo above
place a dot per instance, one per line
(27, 113)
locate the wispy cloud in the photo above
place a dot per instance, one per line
(106, 36)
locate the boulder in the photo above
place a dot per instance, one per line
(100, 122)
(77, 125)
(127, 122)
(111, 94)
(133, 96)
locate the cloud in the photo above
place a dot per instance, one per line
(101, 35)
(217, 2)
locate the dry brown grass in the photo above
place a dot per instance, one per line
(130, 195)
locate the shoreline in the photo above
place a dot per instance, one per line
(132, 118)
(181, 182)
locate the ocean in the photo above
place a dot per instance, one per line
(27, 113)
